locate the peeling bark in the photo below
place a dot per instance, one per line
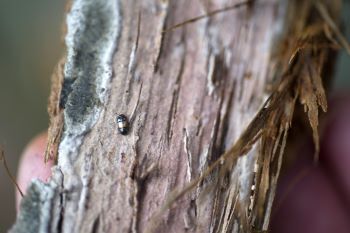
(189, 94)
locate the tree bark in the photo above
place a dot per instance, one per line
(188, 93)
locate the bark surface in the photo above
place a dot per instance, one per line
(188, 93)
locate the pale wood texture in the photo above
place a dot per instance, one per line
(189, 93)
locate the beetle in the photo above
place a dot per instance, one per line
(123, 124)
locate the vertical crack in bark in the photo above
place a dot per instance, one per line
(132, 58)
(61, 215)
(175, 98)
(160, 39)
(96, 225)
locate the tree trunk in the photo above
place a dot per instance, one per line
(189, 93)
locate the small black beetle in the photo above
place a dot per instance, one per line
(123, 124)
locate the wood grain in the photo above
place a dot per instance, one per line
(189, 93)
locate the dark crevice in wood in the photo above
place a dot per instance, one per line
(141, 190)
(96, 225)
(174, 101)
(216, 151)
(61, 215)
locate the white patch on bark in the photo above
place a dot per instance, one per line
(77, 20)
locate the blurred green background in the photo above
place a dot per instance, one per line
(30, 46)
